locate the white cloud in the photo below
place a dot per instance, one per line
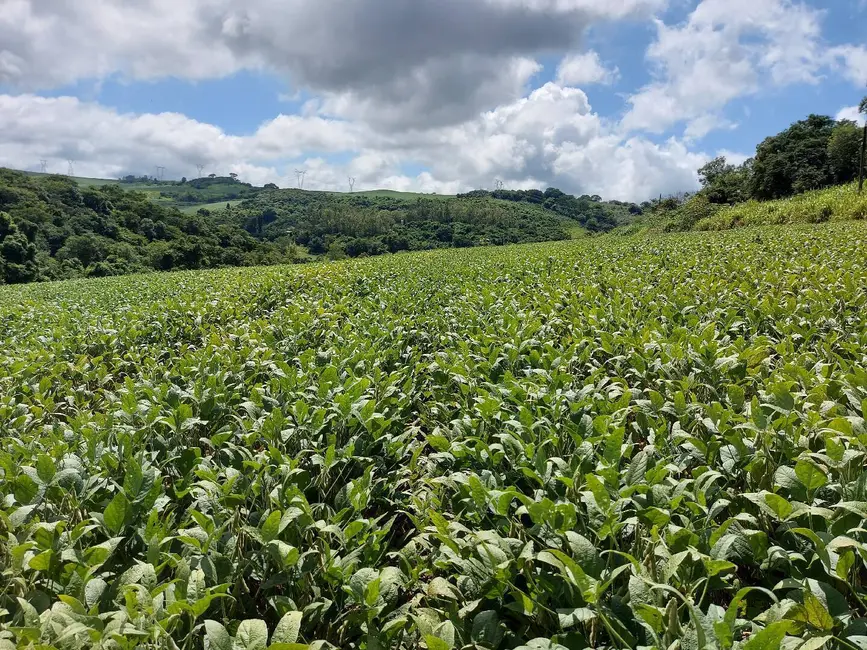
(585, 68)
(704, 124)
(726, 49)
(851, 113)
(550, 136)
(853, 59)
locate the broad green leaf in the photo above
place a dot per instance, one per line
(770, 638)
(252, 634)
(814, 613)
(781, 507)
(486, 630)
(288, 628)
(116, 513)
(570, 618)
(810, 474)
(218, 637)
(270, 528)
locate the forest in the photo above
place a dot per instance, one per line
(52, 229)
(354, 225)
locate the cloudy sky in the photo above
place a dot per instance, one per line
(622, 98)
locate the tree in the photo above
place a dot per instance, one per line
(794, 161)
(724, 183)
(17, 253)
(844, 151)
(862, 108)
(233, 176)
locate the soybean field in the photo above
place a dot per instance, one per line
(617, 442)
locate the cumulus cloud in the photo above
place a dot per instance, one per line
(852, 113)
(585, 68)
(853, 60)
(437, 60)
(548, 137)
(726, 49)
(449, 87)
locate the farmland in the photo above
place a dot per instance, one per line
(611, 442)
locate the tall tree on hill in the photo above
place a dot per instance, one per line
(795, 160)
(862, 108)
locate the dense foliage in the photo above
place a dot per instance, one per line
(50, 228)
(205, 190)
(810, 155)
(591, 212)
(654, 442)
(356, 224)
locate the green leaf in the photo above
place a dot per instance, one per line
(217, 635)
(436, 643)
(815, 642)
(252, 634)
(271, 526)
(810, 474)
(116, 513)
(45, 468)
(771, 638)
(814, 613)
(288, 628)
(781, 507)
(486, 629)
(570, 618)
(441, 588)
(637, 469)
(600, 492)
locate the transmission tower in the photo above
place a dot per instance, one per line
(70, 171)
(301, 173)
(498, 184)
(44, 166)
(351, 184)
(201, 169)
(161, 173)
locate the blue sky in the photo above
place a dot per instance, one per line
(624, 98)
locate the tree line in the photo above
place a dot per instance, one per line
(52, 229)
(356, 225)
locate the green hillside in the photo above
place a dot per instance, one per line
(372, 224)
(606, 443)
(839, 203)
(53, 227)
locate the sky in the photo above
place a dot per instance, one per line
(621, 98)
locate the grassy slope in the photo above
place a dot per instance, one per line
(213, 207)
(841, 203)
(833, 204)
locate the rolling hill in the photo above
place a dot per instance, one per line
(56, 227)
